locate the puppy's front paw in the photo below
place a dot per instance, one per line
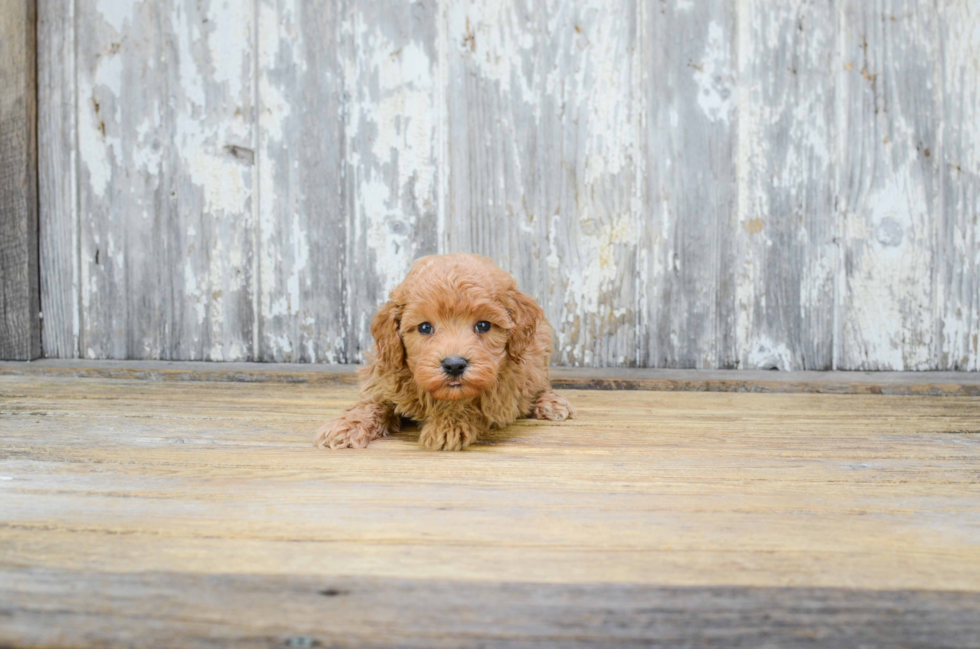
(353, 429)
(552, 406)
(447, 436)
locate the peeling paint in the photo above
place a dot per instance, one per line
(892, 209)
(785, 301)
(766, 354)
(713, 75)
(161, 202)
(666, 203)
(396, 173)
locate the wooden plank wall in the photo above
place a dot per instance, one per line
(20, 331)
(685, 183)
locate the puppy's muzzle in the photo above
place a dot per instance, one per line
(454, 366)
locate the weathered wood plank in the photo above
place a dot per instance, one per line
(57, 193)
(687, 255)
(545, 148)
(494, 60)
(889, 184)
(303, 206)
(165, 112)
(665, 210)
(958, 253)
(787, 222)
(20, 307)
(156, 609)
(391, 144)
(890, 383)
(666, 489)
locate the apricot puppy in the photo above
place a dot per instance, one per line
(458, 349)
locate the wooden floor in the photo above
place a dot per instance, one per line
(151, 513)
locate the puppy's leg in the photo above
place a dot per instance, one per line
(359, 425)
(447, 433)
(552, 406)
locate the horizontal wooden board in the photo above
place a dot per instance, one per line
(140, 510)
(643, 487)
(168, 609)
(896, 383)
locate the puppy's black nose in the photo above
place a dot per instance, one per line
(454, 365)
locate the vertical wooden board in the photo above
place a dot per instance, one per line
(544, 152)
(215, 176)
(165, 138)
(787, 224)
(687, 259)
(591, 106)
(959, 246)
(302, 239)
(20, 329)
(493, 59)
(889, 186)
(58, 214)
(391, 135)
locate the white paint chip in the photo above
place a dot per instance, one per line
(713, 76)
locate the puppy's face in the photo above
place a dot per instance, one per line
(455, 351)
(454, 322)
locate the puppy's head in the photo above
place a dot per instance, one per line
(454, 322)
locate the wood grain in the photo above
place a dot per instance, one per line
(544, 108)
(20, 329)
(391, 145)
(687, 258)
(958, 248)
(57, 176)
(165, 126)
(680, 184)
(202, 510)
(890, 193)
(301, 240)
(494, 143)
(644, 487)
(154, 609)
(787, 224)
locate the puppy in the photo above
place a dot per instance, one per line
(457, 348)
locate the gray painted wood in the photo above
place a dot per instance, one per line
(958, 248)
(165, 126)
(494, 148)
(58, 192)
(300, 241)
(153, 608)
(889, 184)
(20, 331)
(680, 184)
(391, 145)
(544, 154)
(787, 227)
(687, 256)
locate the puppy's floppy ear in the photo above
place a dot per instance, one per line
(389, 353)
(526, 314)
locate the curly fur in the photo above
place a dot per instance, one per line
(507, 375)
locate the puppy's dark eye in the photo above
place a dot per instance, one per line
(482, 327)
(425, 329)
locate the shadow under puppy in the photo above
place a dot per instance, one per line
(459, 349)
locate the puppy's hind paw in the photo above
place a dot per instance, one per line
(553, 407)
